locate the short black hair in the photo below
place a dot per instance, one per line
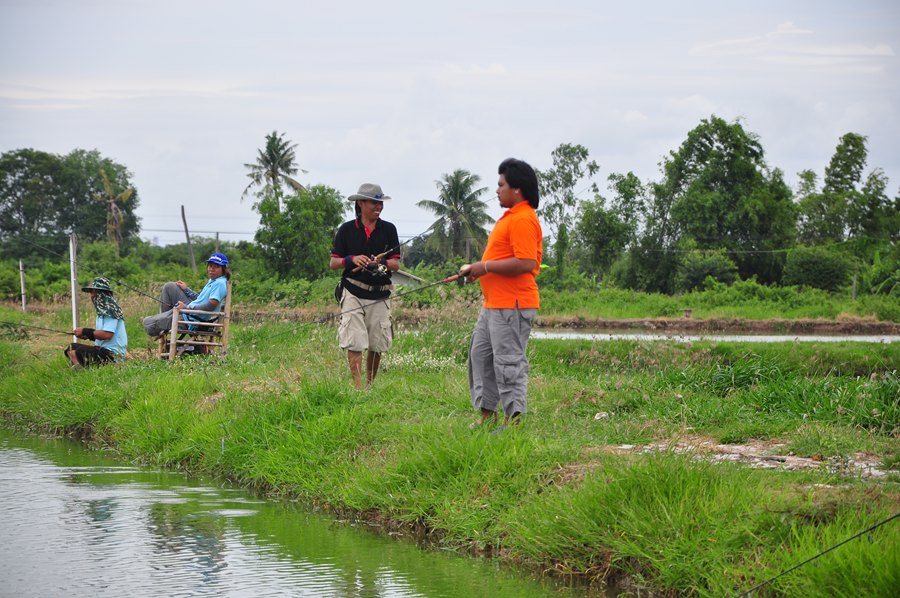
(520, 175)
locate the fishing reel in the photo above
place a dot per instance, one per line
(378, 268)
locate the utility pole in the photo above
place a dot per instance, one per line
(73, 281)
(188, 237)
(22, 282)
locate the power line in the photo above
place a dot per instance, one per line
(127, 286)
(207, 232)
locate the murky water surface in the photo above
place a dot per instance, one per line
(78, 523)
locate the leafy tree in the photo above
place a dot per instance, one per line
(295, 242)
(874, 215)
(718, 191)
(462, 216)
(845, 169)
(824, 215)
(848, 207)
(571, 164)
(114, 216)
(603, 234)
(28, 210)
(629, 199)
(420, 252)
(82, 182)
(274, 165)
(43, 197)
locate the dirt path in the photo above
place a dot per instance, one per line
(760, 454)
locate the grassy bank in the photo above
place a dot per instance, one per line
(617, 470)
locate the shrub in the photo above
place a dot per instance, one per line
(817, 268)
(697, 265)
(9, 279)
(884, 276)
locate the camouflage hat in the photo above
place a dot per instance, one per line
(98, 284)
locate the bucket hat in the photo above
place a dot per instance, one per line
(98, 284)
(218, 259)
(369, 191)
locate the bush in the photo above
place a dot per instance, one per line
(101, 259)
(623, 273)
(697, 264)
(884, 276)
(9, 280)
(817, 268)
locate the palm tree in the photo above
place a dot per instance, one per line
(274, 165)
(115, 219)
(461, 215)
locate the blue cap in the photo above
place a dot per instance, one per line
(219, 259)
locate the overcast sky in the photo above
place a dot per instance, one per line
(398, 93)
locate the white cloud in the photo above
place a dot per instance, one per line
(790, 45)
(788, 28)
(634, 117)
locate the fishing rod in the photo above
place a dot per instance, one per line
(447, 280)
(397, 247)
(14, 325)
(814, 557)
(119, 282)
(328, 317)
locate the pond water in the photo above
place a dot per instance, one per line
(75, 522)
(608, 335)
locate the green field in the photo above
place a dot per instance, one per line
(637, 461)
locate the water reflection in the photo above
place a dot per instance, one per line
(78, 523)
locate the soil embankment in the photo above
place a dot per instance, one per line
(803, 326)
(851, 326)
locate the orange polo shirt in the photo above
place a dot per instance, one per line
(517, 234)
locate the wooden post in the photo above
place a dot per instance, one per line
(188, 237)
(73, 281)
(22, 282)
(217, 242)
(173, 332)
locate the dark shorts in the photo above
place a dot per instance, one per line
(91, 354)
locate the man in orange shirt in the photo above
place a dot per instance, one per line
(498, 367)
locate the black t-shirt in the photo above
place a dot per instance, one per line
(351, 239)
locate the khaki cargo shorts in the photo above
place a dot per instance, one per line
(365, 324)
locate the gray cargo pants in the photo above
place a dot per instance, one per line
(498, 368)
(161, 322)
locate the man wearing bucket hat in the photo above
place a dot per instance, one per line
(368, 250)
(108, 333)
(173, 294)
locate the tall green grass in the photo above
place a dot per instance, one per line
(701, 530)
(742, 300)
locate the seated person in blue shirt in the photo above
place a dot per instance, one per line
(177, 294)
(108, 333)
